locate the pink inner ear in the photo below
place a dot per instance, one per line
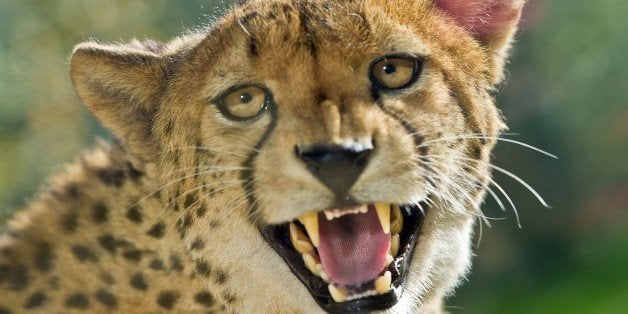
(482, 17)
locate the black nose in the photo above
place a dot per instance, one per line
(337, 167)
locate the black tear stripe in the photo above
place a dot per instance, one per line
(247, 175)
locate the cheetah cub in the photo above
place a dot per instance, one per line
(296, 156)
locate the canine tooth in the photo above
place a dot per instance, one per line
(329, 214)
(383, 212)
(310, 221)
(311, 263)
(339, 294)
(396, 219)
(382, 284)
(394, 245)
(299, 240)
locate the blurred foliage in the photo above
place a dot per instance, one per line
(566, 93)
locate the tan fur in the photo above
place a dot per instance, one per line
(164, 222)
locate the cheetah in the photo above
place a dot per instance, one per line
(296, 156)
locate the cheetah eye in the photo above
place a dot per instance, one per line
(243, 103)
(395, 71)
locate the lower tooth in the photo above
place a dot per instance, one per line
(324, 276)
(394, 245)
(299, 240)
(382, 284)
(389, 259)
(312, 264)
(339, 294)
(396, 219)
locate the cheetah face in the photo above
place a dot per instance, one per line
(354, 137)
(339, 170)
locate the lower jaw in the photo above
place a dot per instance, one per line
(279, 239)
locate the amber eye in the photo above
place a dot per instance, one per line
(243, 103)
(395, 72)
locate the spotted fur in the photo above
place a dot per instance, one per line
(167, 219)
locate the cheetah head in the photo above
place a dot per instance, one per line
(334, 152)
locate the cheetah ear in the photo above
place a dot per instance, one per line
(121, 85)
(492, 22)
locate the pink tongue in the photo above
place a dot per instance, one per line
(353, 248)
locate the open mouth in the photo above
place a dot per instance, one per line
(350, 259)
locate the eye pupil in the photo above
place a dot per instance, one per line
(389, 68)
(246, 98)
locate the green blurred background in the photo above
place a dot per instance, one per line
(566, 93)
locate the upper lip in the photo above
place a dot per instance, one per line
(279, 238)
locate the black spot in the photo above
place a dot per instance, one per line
(200, 211)
(44, 258)
(71, 190)
(167, 299)
(230, 298)
(157, 230)
(110, 243)
(197, 244)
(477, 152)
(175, 263)
(107, 298)
(133, 255)
(138, 282)
(77, 300)
(134, 174)
(203, 268)
(205, 298)
(18, 277)
(84, 254)
(190, 199)
(134, 214)
(69, 221)
(156, 264)
(214, 224)
(107, 278)
(113, 177)
(36, 299)
(100, 213)
(184, 224)
(221, 277)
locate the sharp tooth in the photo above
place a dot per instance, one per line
(329, 214)
(312, 263)
(383, 212)
(394, 245)
(396, 219)
(339, 294)
(310, 221)
(389, 259)
(364, 209)
(299, 240)
(382, 284)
